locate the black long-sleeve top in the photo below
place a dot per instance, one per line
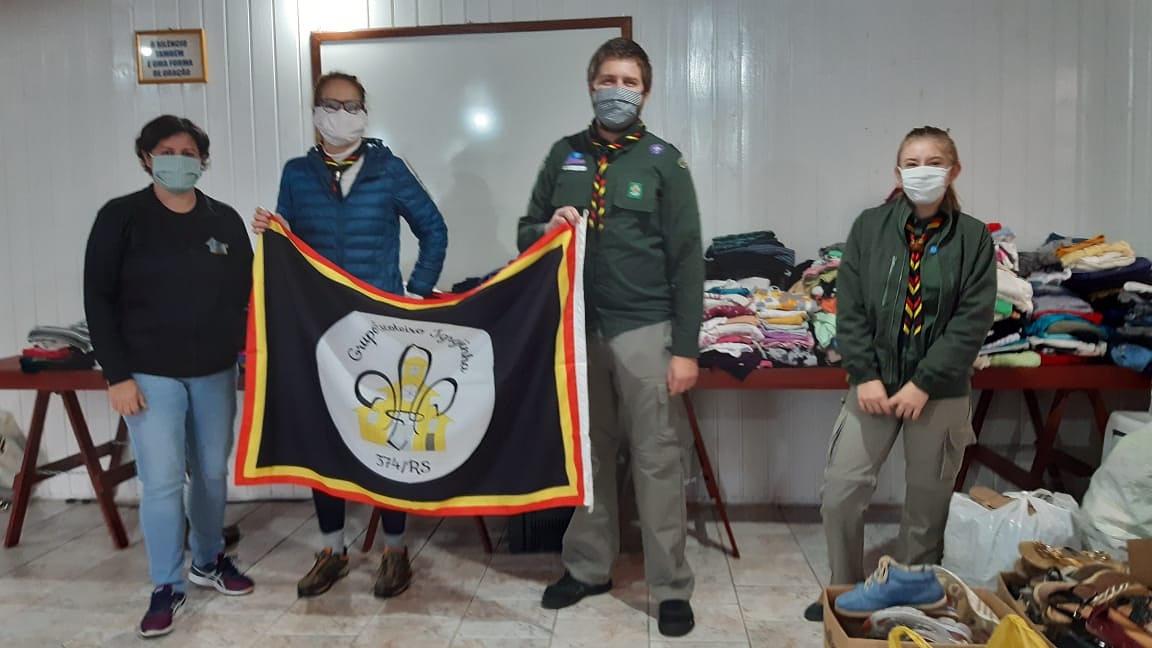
(166, 293)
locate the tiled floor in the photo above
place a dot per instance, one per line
(65, 585)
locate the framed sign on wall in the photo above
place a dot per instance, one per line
(171, 56)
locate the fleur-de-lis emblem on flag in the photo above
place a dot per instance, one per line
(406, 412)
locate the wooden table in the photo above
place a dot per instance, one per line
(104, 481)
(1089, 380)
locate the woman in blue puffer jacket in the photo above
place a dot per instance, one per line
(345, 198)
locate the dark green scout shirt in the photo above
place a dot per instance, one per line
(646, 266)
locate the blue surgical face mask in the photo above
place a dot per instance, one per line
(176, 173)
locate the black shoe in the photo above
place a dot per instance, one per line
(814, 612)
(568, 591)
(231, 537)
(676, 619)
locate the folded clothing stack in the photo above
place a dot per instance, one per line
(751, 324)
(819, 279)
(1102, 288)
(1004, 240)
(1094, 254)
(1013, 305)
(1069, 333)
(58, 348)
(1131, 344)
(752, 254)
(819, 282)
(784, 317)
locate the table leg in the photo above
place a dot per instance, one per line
(484, 537)
(91, 458)
(1034, 410)
(370, 534)
(709, 476)
(22, 487)
(1046, 440)
(1048, 457)
(978, 418)
(117, 470)
(1100, 414)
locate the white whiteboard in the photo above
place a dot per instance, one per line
(473, 114)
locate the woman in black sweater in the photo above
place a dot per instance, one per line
(167, 276)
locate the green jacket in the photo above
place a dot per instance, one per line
(958, 280)
(646, 265)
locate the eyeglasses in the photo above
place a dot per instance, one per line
(184, 153)
(332, 105)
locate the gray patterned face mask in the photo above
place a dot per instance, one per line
(617, 107)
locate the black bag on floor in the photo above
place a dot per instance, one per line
(538, 531)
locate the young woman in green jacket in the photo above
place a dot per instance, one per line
(915, 298)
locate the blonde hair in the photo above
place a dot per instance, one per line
(946, 144)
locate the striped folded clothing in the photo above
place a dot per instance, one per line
(1008, 343)
(62, 337)
(1067, 344)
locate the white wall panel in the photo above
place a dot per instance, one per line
(789, 112)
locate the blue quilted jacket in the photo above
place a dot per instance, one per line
(360, 232)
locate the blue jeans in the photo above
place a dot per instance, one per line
(184, 434)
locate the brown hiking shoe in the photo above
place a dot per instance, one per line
(328, 569)
(395, 573)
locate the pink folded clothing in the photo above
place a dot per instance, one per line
(727, 311)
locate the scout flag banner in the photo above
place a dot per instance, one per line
(474, 404)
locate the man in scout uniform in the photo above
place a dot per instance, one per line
(644, 275)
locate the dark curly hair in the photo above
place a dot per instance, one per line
(166, 126)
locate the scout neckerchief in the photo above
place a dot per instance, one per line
(605, 152)
(918, 234)
(336, 169)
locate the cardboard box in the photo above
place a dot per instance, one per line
(1005, 580)
(1139, 565)
(1140, 560)
(839, 631)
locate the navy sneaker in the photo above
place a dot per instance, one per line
(157, 622)
(221, 575)
(892, 585)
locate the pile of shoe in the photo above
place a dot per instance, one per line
(930, 600)
(1083, 595)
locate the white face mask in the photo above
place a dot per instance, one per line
(340, 128)
(924, 185)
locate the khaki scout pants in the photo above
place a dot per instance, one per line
(933, 451)
(629, 404)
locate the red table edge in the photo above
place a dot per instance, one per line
(1077, 377)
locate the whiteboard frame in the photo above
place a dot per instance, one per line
(624, 23)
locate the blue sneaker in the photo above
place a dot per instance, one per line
(892, 585)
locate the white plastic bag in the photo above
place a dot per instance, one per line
(11, 452)
(979, 542)
(1118, 504)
